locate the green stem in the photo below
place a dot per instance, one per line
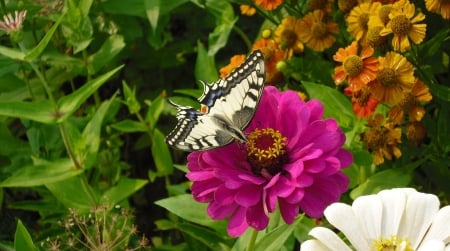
(252, 240)
(70, 152)
(243, 36)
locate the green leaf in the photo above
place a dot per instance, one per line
(275, 239)
(205, 67)
(185, 207)
(110, 48)
(133, 7)
(205, 236)
(85, 6)
(155, 109)
(130, 126)
(41, 174)
(225, 19)
(383, 180)
(130, 98)
(22, 238)
(161, 154)
(336, 104)
(74, 192)
(152, 10)
(36, 51)
(70, 103)
(121, 191)
(12, 53)
(40, 111)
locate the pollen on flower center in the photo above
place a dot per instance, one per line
(387, 77)
(266, 151)
(391, 244)
(353, 65)
(400, 25)
(289, 37)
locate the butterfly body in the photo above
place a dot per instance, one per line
(227, 107)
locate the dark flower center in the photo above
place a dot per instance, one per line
(266, 151)
(387, 77)
(353, 65)
(400, 25)
(319, 30)
(289, 38)
(363, 20)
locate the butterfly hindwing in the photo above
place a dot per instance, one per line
(228, 105)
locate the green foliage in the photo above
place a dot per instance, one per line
(84, 114)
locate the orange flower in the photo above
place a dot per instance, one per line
(272, 55)
(324, 5)
(269, 4)
(419, 93)
(441, 7)
(247, 10)
(360, 69)
(287, 35)
(415, 133)
(358, 19)
(235, 61)
(316, 33)
(395, 78)
(382, 139)
(363, 103)
(404, 24)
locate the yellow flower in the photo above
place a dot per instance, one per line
(324, 5)
(287, 35)
(247, 10)
(404, 24)
(395, 78)
(358, 19)
(382, 139)
(415, 133)
(269, 4)
(441, 7)
(316, 33)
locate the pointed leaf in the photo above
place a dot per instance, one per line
(110, 48)
(122, 190)
(276, 239)
(70, 103)
(152, 10)
(161, 154)
(205, 67)
(129, 126)
(41, 174)
(22, 238)
(40, 111)
(12, 53)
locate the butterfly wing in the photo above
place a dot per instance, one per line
(196, 131)
(228, 105)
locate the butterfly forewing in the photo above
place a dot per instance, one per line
(230, 103)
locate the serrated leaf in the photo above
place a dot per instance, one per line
(22, 238)
(70, 103)
(41, 174)
(40, 111)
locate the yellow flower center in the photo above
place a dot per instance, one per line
(319, 30)
(387, 77)
(383, 13)
(400, 25)
(353, 65)
(391, 244)
(288, 38)
(266, 151)
(363, 20)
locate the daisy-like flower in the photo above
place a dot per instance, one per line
(360, 70)
(293, 159)
(382, 139)
(404, 24)
(399, 219)
(347, 5)
(235, 61)
(376, 24)
(395, 78)
(287, 35)
(324, 5)
(269, 4)
(415, 133)
(247, 10)
(13, 23)
(272, 55)
(441, 7)
(411, 103)
(315, 32)
(358, 19)
(363, 103)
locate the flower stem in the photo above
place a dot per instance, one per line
(252, 240)
(243, 36)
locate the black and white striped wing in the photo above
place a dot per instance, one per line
(228, 106)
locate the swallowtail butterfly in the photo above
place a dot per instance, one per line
(227, 107)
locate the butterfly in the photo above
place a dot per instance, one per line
(227, 107)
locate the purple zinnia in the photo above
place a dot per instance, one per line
(293, 157)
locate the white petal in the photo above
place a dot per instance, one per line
(432, 245)
(394, 201)
(447, 248)
(343, 218)
(329, 239)
(313, 245)
(419, 212)
(368, 209)
(440, 227)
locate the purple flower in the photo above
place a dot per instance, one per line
(293, 158)
(12, 23)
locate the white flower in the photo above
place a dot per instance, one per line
(12, 23)
(400, 219)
